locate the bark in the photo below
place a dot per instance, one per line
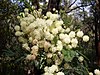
(98, 30)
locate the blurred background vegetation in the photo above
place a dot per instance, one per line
(86, 17)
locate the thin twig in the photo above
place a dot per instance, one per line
(77, 8)
(72, 4)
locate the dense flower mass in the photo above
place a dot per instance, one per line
(47, 34)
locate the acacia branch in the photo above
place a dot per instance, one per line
(77, 8)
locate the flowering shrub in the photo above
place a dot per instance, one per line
(49, 42)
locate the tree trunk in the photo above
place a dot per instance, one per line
(98, 29)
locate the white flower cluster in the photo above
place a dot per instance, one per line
(53, 70)
(96, 72)
(46, 33)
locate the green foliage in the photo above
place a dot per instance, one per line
(69, 55)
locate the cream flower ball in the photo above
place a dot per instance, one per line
(69, 46)
(26, 10)
(30, 57)
(35, 48)
(80, 58)
(72, 34)
(49, 22)
(74, 45)
(22, 39)
(59, 28)
(59, 42)
(23, 23)
(80, 33)
(74, 41)
(46, 69)
(55, 31)
(17, 27)
(54, 16)
(85, 38)
(25, 45)
(51, 37)
(53, 49)
(59, 47)
(67, 30)
(53, 68)
(66, 40)
(58, 23)
(18, 33)
(49, 55)
(45, 17)
(61, 36)
(30, 39)
(48, 14)
(90, 73)
(54, 9)
(97, 71)
(46, 45)
(60, 73)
